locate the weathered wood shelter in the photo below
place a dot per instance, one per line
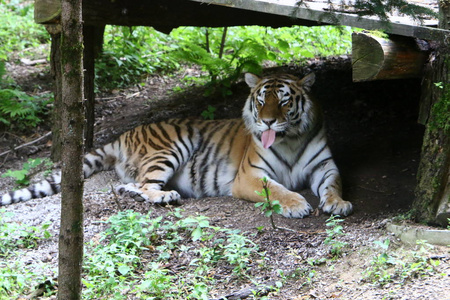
(402, 55)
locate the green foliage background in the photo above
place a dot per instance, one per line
(20, 37)
(131, 53)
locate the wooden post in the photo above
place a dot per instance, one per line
(390, 57)
(432, 203)
(55, 71)
(93, 41)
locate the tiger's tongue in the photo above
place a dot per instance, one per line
(267, 138)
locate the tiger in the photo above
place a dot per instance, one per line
(281, 137)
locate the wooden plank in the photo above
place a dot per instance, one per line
(214, 13)
(315, 12)
(165, 15)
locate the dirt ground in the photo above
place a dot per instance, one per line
(376, 144)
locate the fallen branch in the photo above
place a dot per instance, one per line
(27, 144)
(29, 62)
(260, 290)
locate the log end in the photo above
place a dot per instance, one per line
(47, 11)
(367, 56)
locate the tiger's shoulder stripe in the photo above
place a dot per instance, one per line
(267, 163)
(181, 139)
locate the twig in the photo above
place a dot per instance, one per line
(27, 144)
(110, 98)
(3, 163)
(287, 229)
(116, 198)
(29, 62)
(371, 190)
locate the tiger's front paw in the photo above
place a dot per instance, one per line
(149, 195)
(132, 190)
(296, 207)
(334, 205)
(163, 197)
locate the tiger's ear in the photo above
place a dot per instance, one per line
(252, 79)
(307, 81)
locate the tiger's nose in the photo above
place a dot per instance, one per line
(269, 122)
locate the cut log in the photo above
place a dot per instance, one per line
(47, 11)
(396, 57)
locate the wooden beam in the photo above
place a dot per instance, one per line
(393, 57)
(316, 12)
(165, 15)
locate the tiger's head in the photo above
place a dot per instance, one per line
(279, 106)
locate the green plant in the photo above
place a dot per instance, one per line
(18, 109)
(14, 279)
(224, 62)
(133, 250)
(14, 236)
(19, 34)
(237, 251)
(380, 264)
(381, 9)
(208, 114)
(334, 232)
(131, 53)
(222, 53)
(268, 207)
(396, 267)
(419, 264)
(158, 281)
(114, 264)
(22, 176)
(441, 108)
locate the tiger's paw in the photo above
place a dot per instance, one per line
(296, 207)
(132, 190)
(155, 196)
(334, 205)
(163, 197)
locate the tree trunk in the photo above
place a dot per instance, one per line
(432, 204)
(71, 230)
